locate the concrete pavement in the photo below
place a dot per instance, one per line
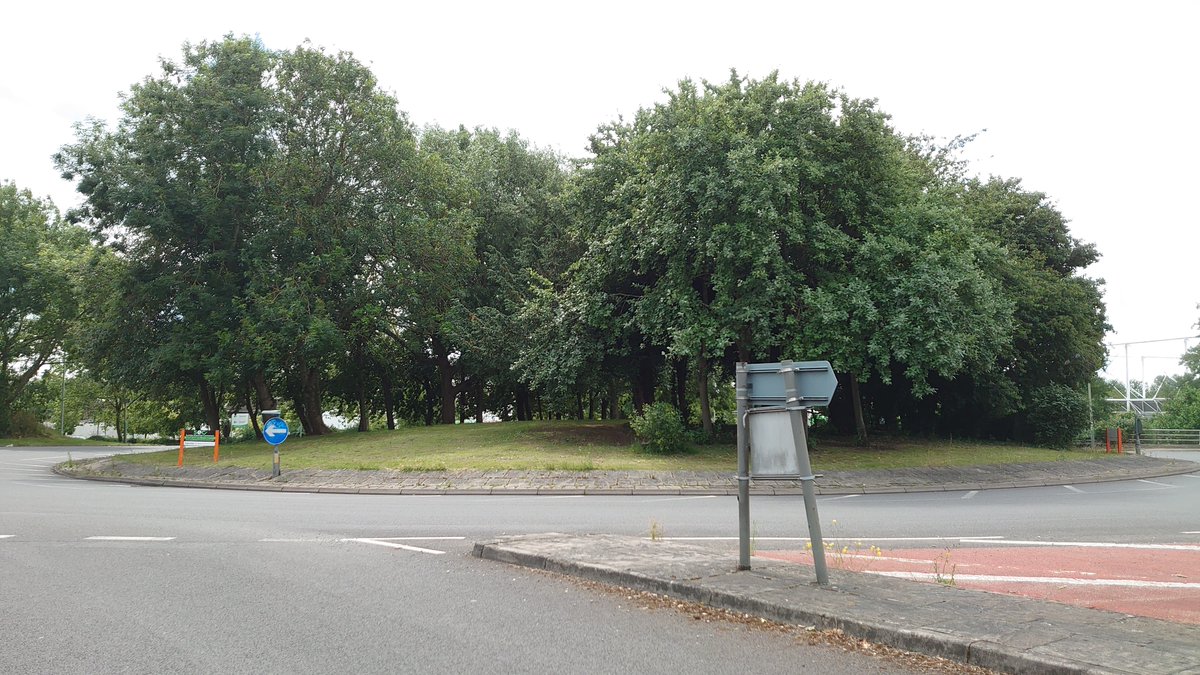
(1000, 632)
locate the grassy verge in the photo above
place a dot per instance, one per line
(572, 446)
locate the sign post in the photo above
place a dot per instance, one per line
(778, 395)
(275, 432)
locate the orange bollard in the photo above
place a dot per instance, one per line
(217, 446)
(1120, 444)
(182, 438)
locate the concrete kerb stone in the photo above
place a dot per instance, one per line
(1051, 639)
(111, 469)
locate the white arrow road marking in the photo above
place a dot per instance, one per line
(389, 544)
(129, 538)
(1064, 581)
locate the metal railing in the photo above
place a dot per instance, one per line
(1185, 437)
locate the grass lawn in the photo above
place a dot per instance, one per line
(574, 446)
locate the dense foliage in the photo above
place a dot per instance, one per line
(278, 233)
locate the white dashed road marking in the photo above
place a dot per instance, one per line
(107, 538)
(970, 494)
(7, 536)
(1143, 480)
(1072, 488)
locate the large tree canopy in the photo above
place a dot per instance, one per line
(284, 235)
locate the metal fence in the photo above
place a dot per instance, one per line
(1186, 437)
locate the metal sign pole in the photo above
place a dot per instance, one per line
(743, 475)
(807, 479)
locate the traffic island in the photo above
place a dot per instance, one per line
(999, 632)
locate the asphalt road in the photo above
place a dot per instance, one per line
(98, 577)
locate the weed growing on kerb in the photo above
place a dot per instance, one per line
(656, 530)
(943, 569)
(852, 557)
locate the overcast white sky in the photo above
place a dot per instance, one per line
(1093, 103)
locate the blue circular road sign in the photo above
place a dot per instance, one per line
(275, 431)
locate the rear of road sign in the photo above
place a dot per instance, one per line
(815, 383)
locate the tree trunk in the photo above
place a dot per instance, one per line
(479, 403)
(446, 374)
(389, 400)
(250, 409)
(364, 419)
(681, 387)
(311, 395)
(208, 398)
(524, 407)
(263, 392)
(860, 424)
(702, 391)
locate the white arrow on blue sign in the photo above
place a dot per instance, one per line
(275, 431)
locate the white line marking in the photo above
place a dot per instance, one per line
(834, 499)
(1143, 480)
(129, 538)
(984, 538)
(1191, 532)
(675, 499)
(1089, 544)
(389, 544)
(418, 538)
(7, 536)
(45, 484)
(970, 494)
(1065, 581)
(289, 541)
(1072, 488)
(1190, 475)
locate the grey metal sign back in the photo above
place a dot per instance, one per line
(771, 400)
(815, 383)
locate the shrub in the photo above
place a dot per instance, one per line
(1056, 415)
(24, 424)
(660, 429)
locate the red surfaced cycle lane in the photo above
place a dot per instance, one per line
(1160, 581)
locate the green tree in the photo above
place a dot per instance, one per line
(45, 266)
(175, 188)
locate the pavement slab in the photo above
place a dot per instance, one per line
(1004, 633)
